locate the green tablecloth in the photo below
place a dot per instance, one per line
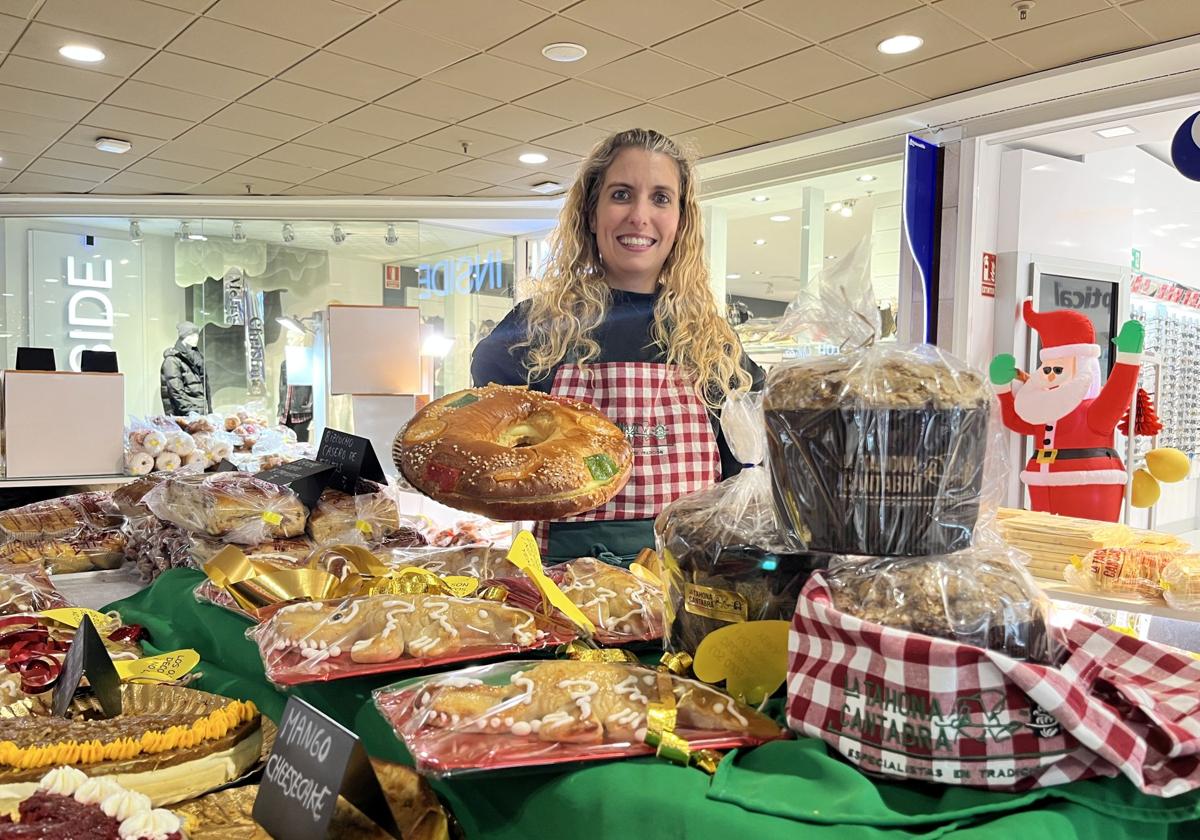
(785, 789)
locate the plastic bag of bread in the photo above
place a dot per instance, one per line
(530, 713)
(368, 517)
(233, 507)
(725, 555)
(981, 596)
(372, 634)
(1181, 582)
(85, 550)
(27, 589)
(478, 561)
(1127, 571)
(58, 517)
(877, 448)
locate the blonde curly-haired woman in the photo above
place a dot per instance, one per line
(624, 318)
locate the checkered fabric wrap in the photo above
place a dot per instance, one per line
(675, 450)
(905, 704)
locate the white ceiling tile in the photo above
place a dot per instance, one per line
(38, 103)
(526, 48)
(125, 20)
(438, 101)
(577, 101)
(554, 157)
(517, 122)
(338, 139)
(477, 23)
(19, 71)
(42, 41)
(785, 120)
(385, 122)
(203, 77)
(309, 189)
(662, 120)
(648, 75)
(7, 175)
(1165, 19)
(122, 120)
(491, 171)
(33, 183)
(526, 182)
(18, 160)
(18, 8)
(341, 75)
(346, 184)
(731, 43)
(228, 140)
(373, 6)
(645, 23)
(439, 184)
(382, 172)
(966, 69)
(993, 20)
(296, 100)
(495, 77)
(236, 46)
(23, 143)
(389, 45)
(718, 100)
(551, 5)
(802, 74)
(714, 140)
(70, 169)
(31, 126)
(578, 140)
(89, 155)
(867, 98)
(818, 20)
(230, 183)
(169, 169)
(195, 6)
(941, 34)
(479, 143)
(261, 121)
(276, 170)
(10, 29)
(86, 135)
(314, 158)
(166, 101)
(506, 191)
(312, 22)
(137, 183)
(1058, 44)
(421, 157)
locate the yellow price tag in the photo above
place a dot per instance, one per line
(166, 667)
(462, 585)
(271, 517)
(73, 617)
(525, 556)
(364, 526)
(751, 656)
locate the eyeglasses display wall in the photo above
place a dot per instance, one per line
(1173, 336)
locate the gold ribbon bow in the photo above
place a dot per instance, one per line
(662, 716)
(583, 652)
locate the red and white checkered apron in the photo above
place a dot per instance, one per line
(905, 704)
(666, 423)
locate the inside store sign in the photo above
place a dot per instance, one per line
(93, 298)
(462, 275)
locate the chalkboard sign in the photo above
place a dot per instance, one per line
(352, 456)
(87, 656)
(35, 358)
(98, 361)
(306, 478)
(313, 761)
(224, 465)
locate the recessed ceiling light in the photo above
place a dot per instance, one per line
(759, 199)
(760, 242)
(564, 51)
(757, 273)
(900, 44)
(1116, 131)
(830, 257)
(781, 218)
(866, 177)
(547, 187)
(80, 52)
(733, 277)
(113, 145)
(533, 157)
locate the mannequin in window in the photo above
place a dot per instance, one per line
(185, 388)
(295, 405)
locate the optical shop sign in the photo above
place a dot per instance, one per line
(85, 297)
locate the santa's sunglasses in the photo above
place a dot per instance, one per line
(1047, 369)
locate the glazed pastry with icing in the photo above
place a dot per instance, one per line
(620, 604)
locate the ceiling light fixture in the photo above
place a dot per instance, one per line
(900, 44)
(564, 51)
(135, 232)
(760, 242)
(81, 52)
(390, 237)
(733, 277)
(293, 323)
(866, 177)
(834, 206)
(757, 273)
(781, 218)
(1116, 131)
(113, 145)
(759, 199)
(533, 157)
(830, 257)
(288, 234)
(847, 209)
(547, 187)
(337, 234)
(239, 235)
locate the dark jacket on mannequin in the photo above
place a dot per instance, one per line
(183, 383)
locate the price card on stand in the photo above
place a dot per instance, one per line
(306, 478)
(313, 761)
(352, 457)
(88, 657)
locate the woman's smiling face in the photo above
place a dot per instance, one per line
(636, 218)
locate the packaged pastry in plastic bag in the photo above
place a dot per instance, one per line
(1129, 571)
(85, 550)
(981, 596)
(374, 634)
(879, 448)
(59, 517)
(531, 713)
(1181, 582)
(726, 558)
(370, 516)
(231, 506)
(477, 561)
(27, 589)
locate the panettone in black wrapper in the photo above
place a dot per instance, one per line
(981, 596)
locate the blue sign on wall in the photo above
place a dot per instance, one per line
(462, 275)
(1185, 148)
(922, 186)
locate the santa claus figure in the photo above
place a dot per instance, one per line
(1075, 470)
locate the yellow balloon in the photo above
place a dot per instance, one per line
(1168, 464)
(1146, 489)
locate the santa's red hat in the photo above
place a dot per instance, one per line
(1063, 332)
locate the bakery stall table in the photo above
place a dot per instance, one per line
(782, 789)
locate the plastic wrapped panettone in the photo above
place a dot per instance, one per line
(369, 517)
(725, 556)
(982, 596)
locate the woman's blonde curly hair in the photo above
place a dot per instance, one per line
(572, 298)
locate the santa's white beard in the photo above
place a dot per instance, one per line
(1035, 405)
